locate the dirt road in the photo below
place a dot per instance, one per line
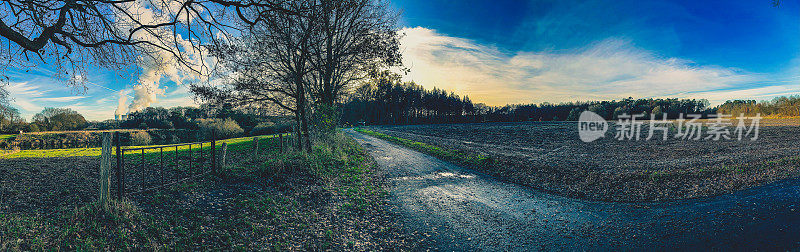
(465, 210)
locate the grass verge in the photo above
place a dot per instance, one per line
(460, 157)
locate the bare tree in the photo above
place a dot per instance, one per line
(288, 58)
(8, 113)
(268, 65)
(357, 37)
(115, 34)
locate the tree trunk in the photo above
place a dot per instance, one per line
(105, 170)
(297, 132)
(304, 137)
(327, 78)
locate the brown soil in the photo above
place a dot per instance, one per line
(551, 157)
(47, 185)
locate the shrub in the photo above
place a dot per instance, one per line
(141, 138)
(33, 128)
(324, 120)
(658, 112)
(267, 128)
(227, 128)
(574, 114)
(159, 124)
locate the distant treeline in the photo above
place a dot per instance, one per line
(227, 120)
(388, 100)
(91, 139)
(50, 119)
(780, 106)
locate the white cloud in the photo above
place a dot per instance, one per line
(605, 70)
(23, 93)
(40, 92)
(163, 65)
(60, 99)
(92, 111)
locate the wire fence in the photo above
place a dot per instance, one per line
(132, 170)
(144, 169)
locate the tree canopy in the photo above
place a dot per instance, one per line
(71, 35)
(58, 119)
(303, 63)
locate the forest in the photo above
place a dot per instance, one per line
(386, 99)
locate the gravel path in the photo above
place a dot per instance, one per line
(465, 210)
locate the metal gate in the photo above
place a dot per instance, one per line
(144, 169)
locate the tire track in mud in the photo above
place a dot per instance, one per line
(463, 209)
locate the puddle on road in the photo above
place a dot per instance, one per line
(450, 174)
(438, 175)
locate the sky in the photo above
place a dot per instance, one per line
(500, 52)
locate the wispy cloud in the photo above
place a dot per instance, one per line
(42, 91)
(609, 69)
(93, 112)
(25, 89)
(23, 93)
(60, 99)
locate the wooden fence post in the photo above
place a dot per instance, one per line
(214, 152)
(280, 138)
(120, 186)
(177, 163)
(161, 164)
(255, 140)
(105, 170)
(224, 153)
(190, 157)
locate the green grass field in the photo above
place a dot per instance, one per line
(95, 152)
(7, 136)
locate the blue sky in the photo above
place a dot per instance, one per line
(752, 35)
(501, 52)
(518, 52)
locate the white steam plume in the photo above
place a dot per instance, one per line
(121, 109)
(145, 93)
(162, 64)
